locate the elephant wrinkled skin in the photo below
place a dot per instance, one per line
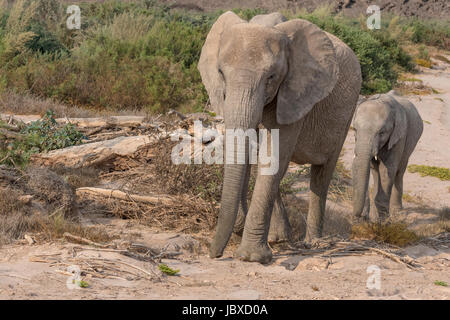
(388, 128)
(286, 75)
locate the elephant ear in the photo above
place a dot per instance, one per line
(400, 125)
(208, 63)
(268, 20)
(312, 70)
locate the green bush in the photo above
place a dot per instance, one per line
(143, 55)
(376, 51)
(433, 33)
(39, 136)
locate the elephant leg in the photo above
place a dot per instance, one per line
(397, 189)
(383, 192)
(320, 180)
(243, 206)
(280, 229)
(254, 246)
(373, 213)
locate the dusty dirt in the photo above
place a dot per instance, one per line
(288, 277)
(39, 271)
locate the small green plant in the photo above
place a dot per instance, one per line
(441, 283)
(422, 62)
(441, 173)
(167, 270)
(81, 283)
(39, 136)
(435, 91)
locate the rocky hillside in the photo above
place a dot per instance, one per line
(438, 9)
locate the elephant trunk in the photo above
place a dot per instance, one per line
(360, 173)
(242, 112)
(231, 195)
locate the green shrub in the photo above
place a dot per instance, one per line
(377, 51)
(143, 55)
(39, 136)
(429, 32)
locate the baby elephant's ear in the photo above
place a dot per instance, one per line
(208, 63)
(312, 70)
(400, 124)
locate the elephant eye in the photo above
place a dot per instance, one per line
(271, 77)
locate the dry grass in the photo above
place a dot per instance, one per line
(202, 180)
(340, 188)
(408, 78)
(50, 213)
(438, 172)
(14, 220)
(50, 188)
(195, 188)
(79, 177)
(414, 88)
(423, 62)
(394, 233)
(20, 104)
(442, 58)
(18, 218)
(412, 199)
(14, 103)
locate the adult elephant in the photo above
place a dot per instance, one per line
(286, 75)
(388, 128)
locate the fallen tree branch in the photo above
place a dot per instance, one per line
(119, 121)
(10, 134)
(120, 195)
(77, 239)
(93, 154)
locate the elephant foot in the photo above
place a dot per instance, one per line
(215, 250)
(279, 233)
(254, 253)
(395, 208)
(312, 238)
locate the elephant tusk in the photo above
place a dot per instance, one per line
(376, 158)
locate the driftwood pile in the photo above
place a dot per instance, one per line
(94, 260)
(113, 138)
(122, 149)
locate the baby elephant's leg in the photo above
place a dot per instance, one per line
(280, 229)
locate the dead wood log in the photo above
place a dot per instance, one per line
(19, 118)
(113, 121)
(93, 154)
(10, 134)
(77, 239)
(120, 195)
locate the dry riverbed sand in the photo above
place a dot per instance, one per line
(39, 271)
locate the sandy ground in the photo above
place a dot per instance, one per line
(289, 276)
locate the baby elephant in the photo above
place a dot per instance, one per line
(388, 128)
